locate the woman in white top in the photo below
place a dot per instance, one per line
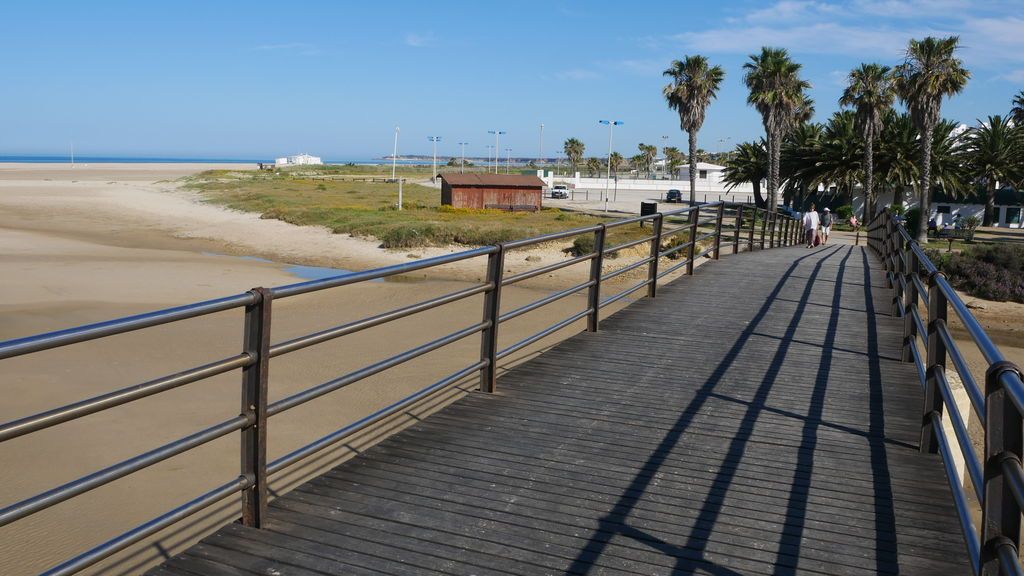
(811, 222)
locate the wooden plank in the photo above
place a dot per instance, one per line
(754, 418)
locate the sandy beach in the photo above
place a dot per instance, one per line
(101, 241)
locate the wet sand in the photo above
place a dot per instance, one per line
(101, 242)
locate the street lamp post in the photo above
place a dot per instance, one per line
(508, 160)
(433, 173)
(608, 175)
(540, 149)
(463, 145)
(664, 144)
(394, 154)
(497, 150)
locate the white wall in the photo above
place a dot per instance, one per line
(712, 184)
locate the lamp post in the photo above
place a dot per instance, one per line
(462, 170)
(608, 175)
(540, 149)
(664, 144)
(394, 154)
(433, 172)
(497, 150)
(508, 159)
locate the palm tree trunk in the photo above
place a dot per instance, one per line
(758, 198)
(869, 176)
(773, 179)
(990, 203)
(693, 167)
(925, 206)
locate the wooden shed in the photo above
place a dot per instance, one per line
(501, 191)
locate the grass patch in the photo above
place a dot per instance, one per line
(368, 209)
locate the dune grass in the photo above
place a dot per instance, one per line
(368, 209)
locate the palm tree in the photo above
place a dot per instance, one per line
(930, 73)
(574, 150)
(870, 93)
(994, 153)
(594, 166)
(649, 152)
(896, 158)
(673, 158)
(616, 162)
(800, 155)
(749, 163)
(638, 162)
(1017, 112)
(778, 94)
(694, 85)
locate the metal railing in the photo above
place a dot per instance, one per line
(257, 350)
(998, 479)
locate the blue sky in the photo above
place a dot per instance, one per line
(255, 80)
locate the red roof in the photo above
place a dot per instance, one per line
(482, 180)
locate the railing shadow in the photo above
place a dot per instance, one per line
(615, 522)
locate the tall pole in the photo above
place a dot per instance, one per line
(394, 154)
(664, 144)
(433, 172)
(608, 175)
(489, 147)
(540, 149)
(508, 160)
(497, 150)
(463, 169)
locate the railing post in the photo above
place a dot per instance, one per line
(911, 300)
(764, 226)
(256, 343)
(694, 217)
(652, 268)
(785, 231)
(936, 361)
(753, 226)
(718, 229)
(596, 270)
(492, 311)
(736, 234)
(1000, 521)
(898, 272)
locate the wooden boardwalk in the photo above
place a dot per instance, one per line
(752, 419)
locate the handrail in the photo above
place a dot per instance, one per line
(253, 360)
(997, 478)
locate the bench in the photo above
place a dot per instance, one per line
(951, 234)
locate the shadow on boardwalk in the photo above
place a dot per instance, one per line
(753, 419)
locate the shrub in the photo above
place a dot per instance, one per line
(844, 212)
(582, 245)
(992, 272)
(971, 224)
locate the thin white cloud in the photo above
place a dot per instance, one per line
(577, 74)
(303, 48)
(1015, 76)
(419, 40)
(913, 8)
(793, 10)
(817, 38)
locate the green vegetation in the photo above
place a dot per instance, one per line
(694, 85)
(992, 271)
(368, 209)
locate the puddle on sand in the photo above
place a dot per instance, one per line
(317, 272)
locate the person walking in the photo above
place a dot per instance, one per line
(826, 226)
(811, 223)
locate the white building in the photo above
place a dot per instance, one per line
(709, 181)
(298, 160)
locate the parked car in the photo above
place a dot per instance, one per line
(559, 192)
(674, 196)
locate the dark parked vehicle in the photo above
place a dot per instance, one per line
(560, 192)
(674, 196)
